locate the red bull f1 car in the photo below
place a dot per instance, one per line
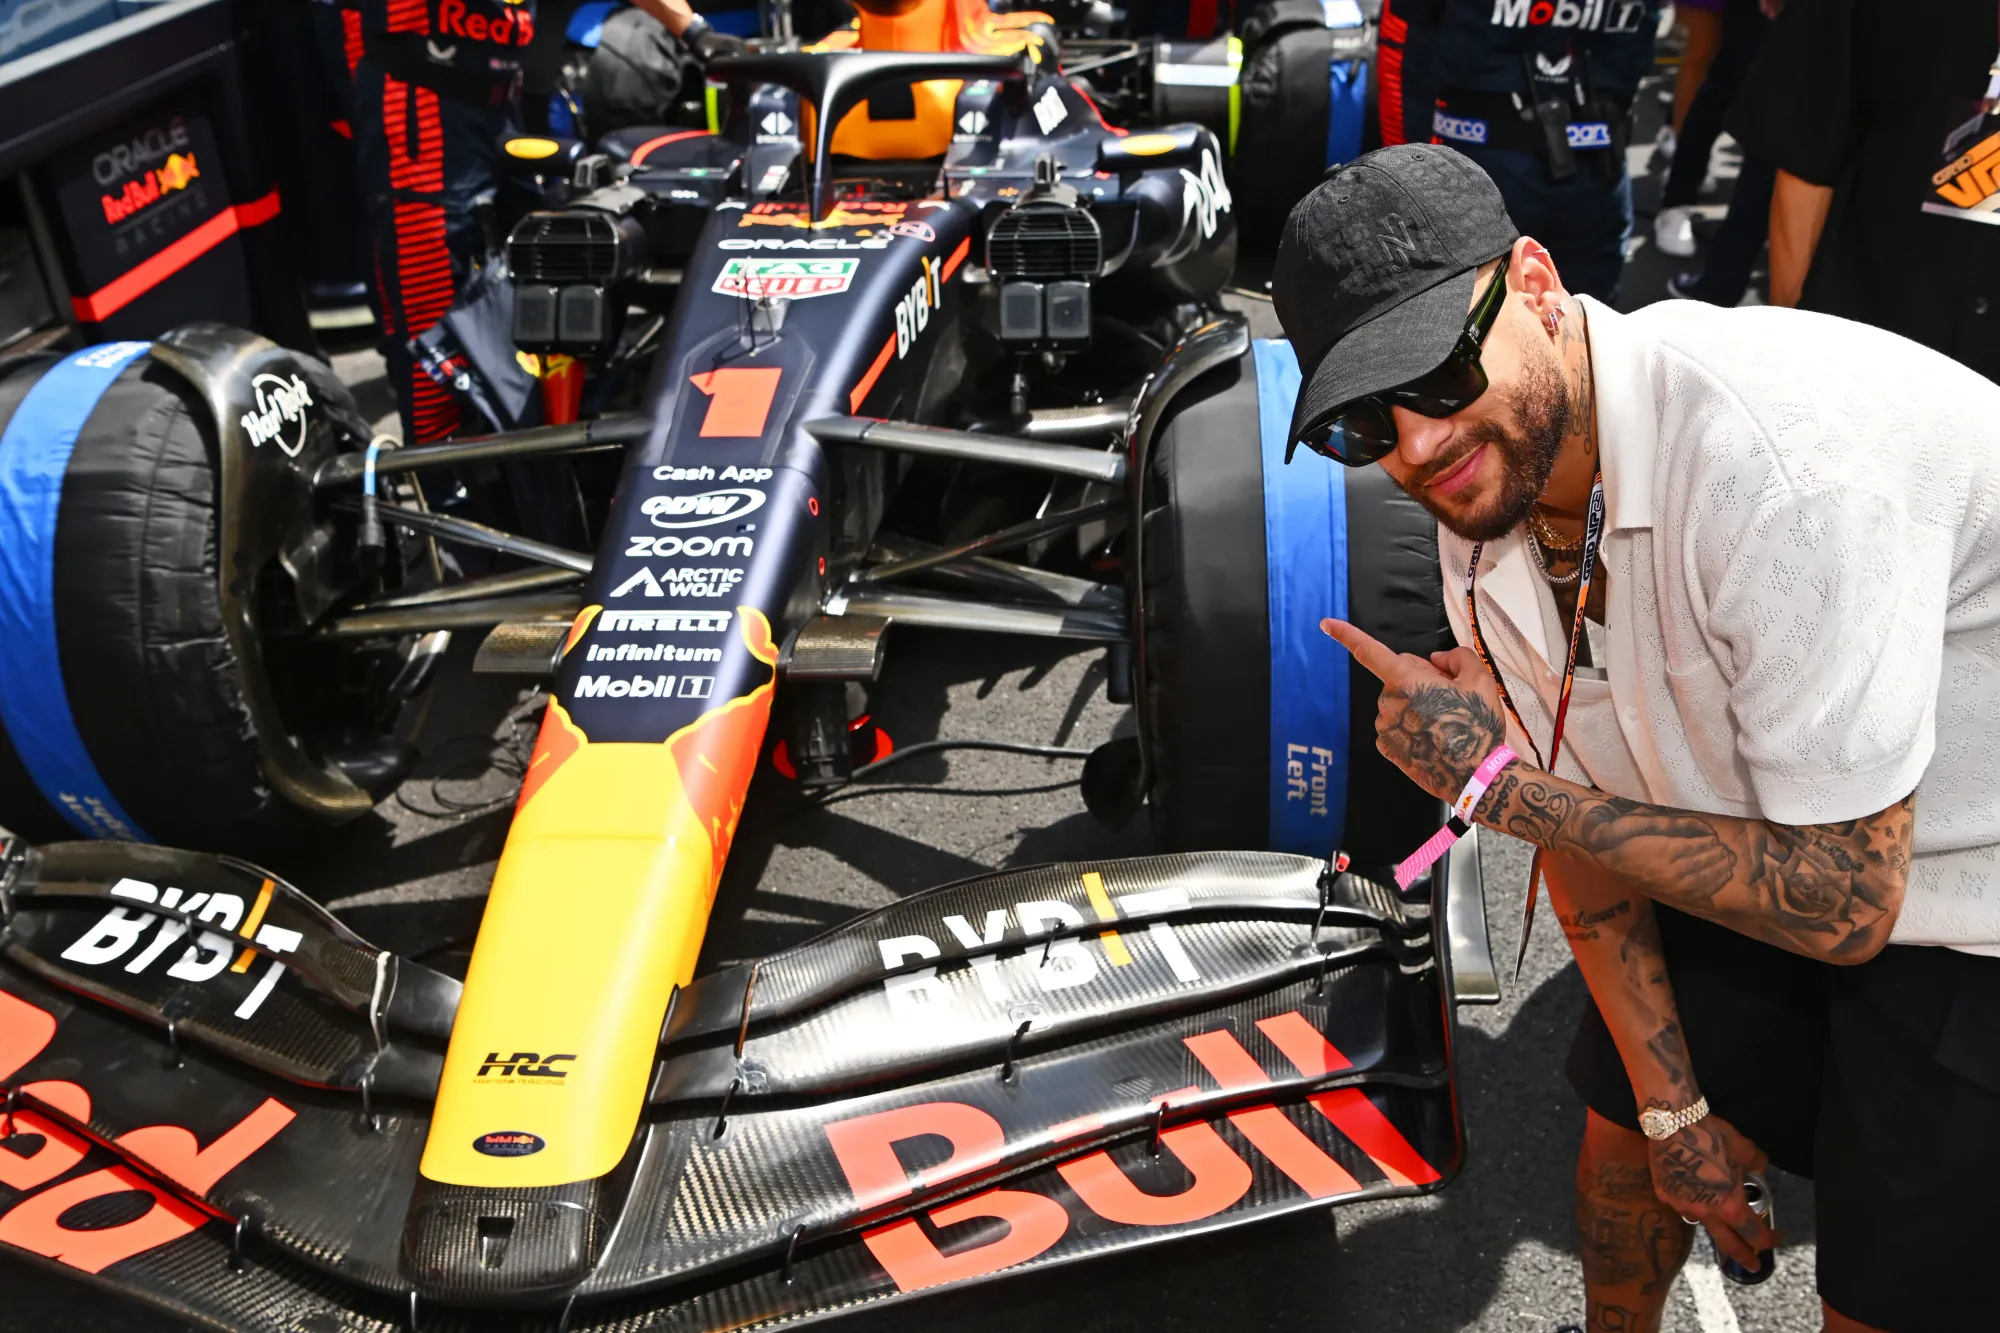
(916, 307)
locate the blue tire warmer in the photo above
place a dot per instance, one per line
(1305, 545)
(1346, 110)
(34, 706)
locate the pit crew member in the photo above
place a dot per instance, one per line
(435, 90)
(1772, 826)
(1539, 94)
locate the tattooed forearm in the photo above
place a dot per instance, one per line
(1529, 808)
(1583, 925)
(1670, 1053)
(1829, 891)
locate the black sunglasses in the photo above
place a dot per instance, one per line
(1364, 430)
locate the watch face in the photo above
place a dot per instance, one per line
(1655, 1123)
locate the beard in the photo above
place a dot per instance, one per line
(1527, 453)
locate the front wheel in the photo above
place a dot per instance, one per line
(122, 703)
(1261, 728)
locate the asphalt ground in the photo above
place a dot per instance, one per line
(1494, 1252)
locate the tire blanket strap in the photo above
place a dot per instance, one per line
(1305, 547)
(34, 705)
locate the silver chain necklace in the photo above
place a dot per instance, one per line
(1542, 564)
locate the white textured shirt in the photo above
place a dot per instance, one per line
(1803, 547)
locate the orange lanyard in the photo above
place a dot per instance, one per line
(1593, 533)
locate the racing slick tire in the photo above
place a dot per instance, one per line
(1213, 647)
(146, 671)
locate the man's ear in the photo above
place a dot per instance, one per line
(1532, 272)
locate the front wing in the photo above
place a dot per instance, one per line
(1253, 1037)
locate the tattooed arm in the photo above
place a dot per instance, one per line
(1436, 720)
(1828, 891)
(1698, 1171)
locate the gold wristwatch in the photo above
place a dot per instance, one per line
(1659, 1124)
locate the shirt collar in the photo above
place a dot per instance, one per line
(1628, 419)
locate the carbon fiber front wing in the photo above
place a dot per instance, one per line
(216, 1095)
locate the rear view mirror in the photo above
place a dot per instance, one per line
(1175, 146)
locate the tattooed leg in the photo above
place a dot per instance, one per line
(1632, 1244)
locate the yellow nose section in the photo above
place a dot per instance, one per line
(597, 911)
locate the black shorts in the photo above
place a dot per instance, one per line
(1754, 1018)
(1881, 1081)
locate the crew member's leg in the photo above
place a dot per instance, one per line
(1702, 19)
(399, 144)
(1632, 1244)
(1909, 1142)
(1744, 26)
(1733, 253)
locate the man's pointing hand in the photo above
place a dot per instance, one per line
(1438, 717)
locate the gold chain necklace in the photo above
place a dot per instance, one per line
(1548, 538)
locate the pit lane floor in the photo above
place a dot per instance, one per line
(1496, 1252)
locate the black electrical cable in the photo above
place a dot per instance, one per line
(844, 791)
(507, 755)
(510, 755)
(933, 747)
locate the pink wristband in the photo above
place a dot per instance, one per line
(1456, 826)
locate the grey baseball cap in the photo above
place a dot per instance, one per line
(1376, 269)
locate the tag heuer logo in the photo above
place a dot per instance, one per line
(793, 279)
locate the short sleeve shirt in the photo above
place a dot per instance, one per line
(1862, 96)
(1803, 549)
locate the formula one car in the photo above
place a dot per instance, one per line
(867, 334)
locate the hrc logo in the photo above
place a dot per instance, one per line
(522, 1064)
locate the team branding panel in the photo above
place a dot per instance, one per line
(153, 223)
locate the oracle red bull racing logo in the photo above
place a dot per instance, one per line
(145, 169)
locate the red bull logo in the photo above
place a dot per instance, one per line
(149, 187)
(509, 1143)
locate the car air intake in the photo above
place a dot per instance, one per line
(561, 248)
(566, 267)
(1043, 254)
(1042, 241)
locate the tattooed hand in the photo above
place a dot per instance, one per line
(1699, 1173)
(1437, 719)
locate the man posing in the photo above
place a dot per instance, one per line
(1783, 717)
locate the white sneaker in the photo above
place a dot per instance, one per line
(1664, 144)
(1673, 231)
